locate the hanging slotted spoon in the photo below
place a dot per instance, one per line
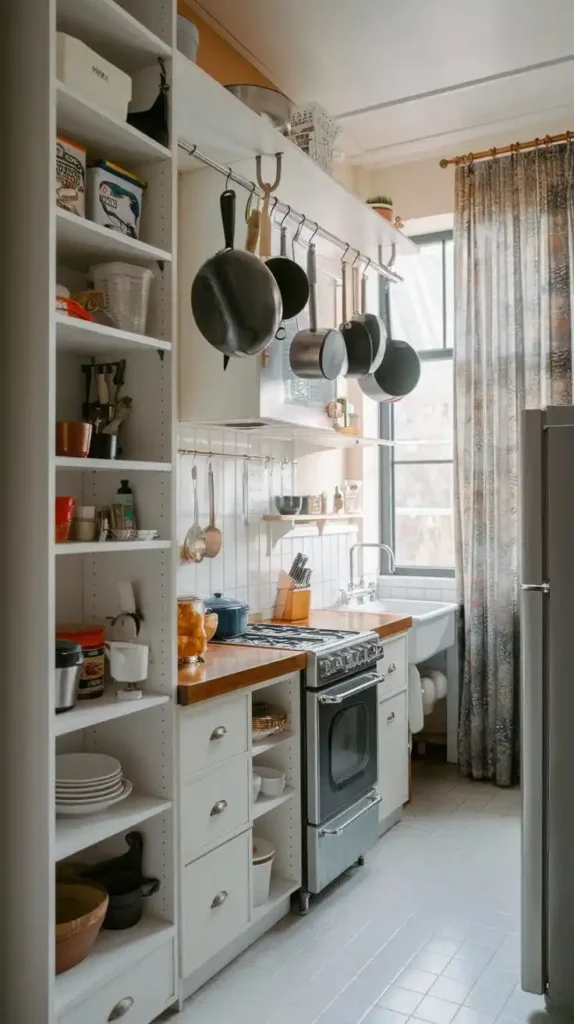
(194, 543)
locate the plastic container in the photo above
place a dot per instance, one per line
(126, 293)
(187, 37)
(91, 640)
(63, 518)
(115, 198)
(70, 177)
(263, 857)
(96, 80)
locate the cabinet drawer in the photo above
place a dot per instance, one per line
(393, 666)
(214, 804)
(215, 901)
(393, 754)
(142, 992)
(211, 734)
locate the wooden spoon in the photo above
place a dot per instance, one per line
(212, 535)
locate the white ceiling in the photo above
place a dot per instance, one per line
(412, 78)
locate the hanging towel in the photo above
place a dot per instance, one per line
(416, 716)
(440, 682)
(429, 699)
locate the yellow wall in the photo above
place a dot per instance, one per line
(218, 58)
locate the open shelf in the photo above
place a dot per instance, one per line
(102, 134)
(84, 242)
(121, 465)
(88, 713)
(222, 127)
(72, 547)
(270, 742)
(112, 954)
(91, 339)
(264, 804)
(111, 32)
(73, 834)
(280, 889)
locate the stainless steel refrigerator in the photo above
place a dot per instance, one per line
(547, 704)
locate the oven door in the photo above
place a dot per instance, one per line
(341, 745)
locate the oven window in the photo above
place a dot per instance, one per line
(348, 743)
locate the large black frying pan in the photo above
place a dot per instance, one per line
(234, 297)
(292, 280)
(397, 375)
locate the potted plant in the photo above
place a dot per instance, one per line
(383, 205)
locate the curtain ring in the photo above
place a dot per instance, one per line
(314, 233)
(285, 217)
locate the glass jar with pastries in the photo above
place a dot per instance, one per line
(191, 634)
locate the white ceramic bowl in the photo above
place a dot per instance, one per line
(255, 786)
(272, 781)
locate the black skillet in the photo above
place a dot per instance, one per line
(292, 280)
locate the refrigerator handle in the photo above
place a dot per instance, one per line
(533, 779)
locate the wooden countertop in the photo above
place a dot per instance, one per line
(231, 667)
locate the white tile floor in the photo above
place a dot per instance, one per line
(426, 931)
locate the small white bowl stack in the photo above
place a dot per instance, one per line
(88, 783)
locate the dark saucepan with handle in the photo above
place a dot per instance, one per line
(356, 337)
(317, 351)
(397, 375)
(234, 297)
(292, 280)
(374, 325)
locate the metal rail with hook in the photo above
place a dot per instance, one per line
(279, 207)
(266, 459)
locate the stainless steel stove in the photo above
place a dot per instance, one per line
(339, 744)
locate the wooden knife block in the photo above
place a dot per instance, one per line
(297, 605)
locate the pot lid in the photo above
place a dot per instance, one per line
(220, 603)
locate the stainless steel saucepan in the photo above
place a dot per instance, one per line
(317, 351)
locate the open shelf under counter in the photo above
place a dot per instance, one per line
(106, 547)
(77, 833)
(264, 804)
(269, 743)
(120, 465)
(223, 128)
(89, 339)
(112, 954)
(83, 243)
(111, 32)
(80, 120)
(88, 713)
(280, 889)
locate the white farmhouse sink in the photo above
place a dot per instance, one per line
(433, 627)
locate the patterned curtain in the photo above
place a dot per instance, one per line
(513, 350)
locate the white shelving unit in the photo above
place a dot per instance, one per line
(264, 804)
(43, 354)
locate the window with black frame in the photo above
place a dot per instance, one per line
(417, 472)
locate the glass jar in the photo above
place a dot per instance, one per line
(191, 635)
(352, 495)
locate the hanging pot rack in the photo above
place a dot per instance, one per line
(278, 207)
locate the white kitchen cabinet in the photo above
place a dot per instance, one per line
(213, 732)
(214, 804)
(393, 745)
(393, 666)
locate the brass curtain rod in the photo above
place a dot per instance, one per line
(513, 147)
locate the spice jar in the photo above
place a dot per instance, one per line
(91, 640)
(191, 635)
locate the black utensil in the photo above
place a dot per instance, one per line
(234, 297)
(154, 121)
(292, 280)
(356, 336)
(374, 325)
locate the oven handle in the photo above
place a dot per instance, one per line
(338, 698)
(373, 798)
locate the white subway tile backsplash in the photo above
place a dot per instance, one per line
(252, 555)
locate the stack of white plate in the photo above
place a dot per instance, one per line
(88, 783)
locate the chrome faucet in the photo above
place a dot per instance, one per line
(359, 590)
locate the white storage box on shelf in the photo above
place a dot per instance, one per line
(88, 74)
(315, 132)
(126, 293)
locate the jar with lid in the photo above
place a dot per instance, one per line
(352, 495)
(191, 635)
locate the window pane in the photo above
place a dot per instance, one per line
(425, 417)
(423, 515)
(416, 303)
(449, 292)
